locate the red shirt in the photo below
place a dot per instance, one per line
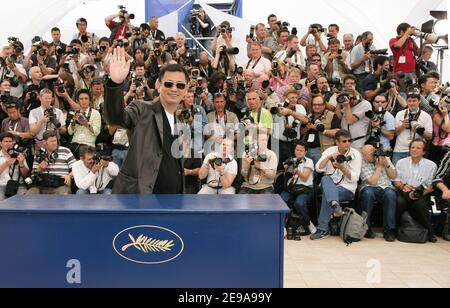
(121, 30)
(406, 50)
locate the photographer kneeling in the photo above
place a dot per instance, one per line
(299, 188)
(12, 167)
(51, 168)
(94, 173)
(220, 169)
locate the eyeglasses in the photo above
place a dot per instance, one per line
(171, 84)
(347, 141)
(380, 102)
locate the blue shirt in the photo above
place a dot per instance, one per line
(390, 125)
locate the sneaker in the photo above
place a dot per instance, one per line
(320, 235)
(370, 235)
(389, 236)
(337, 211)
(312, 228)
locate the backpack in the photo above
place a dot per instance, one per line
(353, 226)
(411, 231)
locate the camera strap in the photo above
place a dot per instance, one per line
(254, 65)
(12, 169)
(13, 127)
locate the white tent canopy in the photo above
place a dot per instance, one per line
(27, 18)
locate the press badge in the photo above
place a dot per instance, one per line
(311, 138)
(402, 60)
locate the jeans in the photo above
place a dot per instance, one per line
(397, 156)
(107, 191)
(387, 197)
(248, 191)
(331, 192)
(119, 157)
(315, 154)
(301, 203)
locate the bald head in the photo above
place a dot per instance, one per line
(367, 153)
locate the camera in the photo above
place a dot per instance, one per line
(50, 113)
(389, 85)
(123, 12)
(291, 133)
(240, 70)
(42, 155)
(6, 97)
(420, 130)
(277, 110)
(12, 39)
(413, 116)
(87, 70)
(275, 69)
(379, 52)
(199, 90)
(219, 162)
(294, 162)
(230, 51)
(418, 193)
(375, 116)
(380, 152)
(315, 28)
(252, 32)
(341, 159)
(16, 151)
(138, 81)
(435, 103)
(99, 157)
(320, 127)
(59, 86)
(74, 51)
(422, 66)
(341, 99)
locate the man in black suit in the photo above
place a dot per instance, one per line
(150, 167)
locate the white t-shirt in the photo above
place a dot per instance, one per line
(86, 180)
(213, 175)
(407, 135)
(4, 177)
(361, 127)
(279, 123)
(260, 66)
(18, 91)
(171, 118)
(309, 164)
(37, 114)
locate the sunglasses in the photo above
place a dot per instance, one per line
(347, 141)
(171, 84)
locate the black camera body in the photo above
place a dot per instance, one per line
(316, 28)
(87, 70)
(341, 159)
(376, 116)
(50, 113)
(418, 193)
(123, 12)
(16, 150)
(291, 133)
(380, 152)
(42, 155)
(219, 162)
(294, 162)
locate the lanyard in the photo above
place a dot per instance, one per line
(254, 65)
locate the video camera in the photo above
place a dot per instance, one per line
(124, 12)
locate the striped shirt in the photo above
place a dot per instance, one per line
(416, 174)
(62, 166)
(443, 171)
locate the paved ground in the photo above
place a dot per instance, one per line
(331, 264)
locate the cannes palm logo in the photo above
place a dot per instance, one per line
(148, 245)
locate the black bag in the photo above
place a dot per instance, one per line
(298, 190)
(411, 231)
(12, 187)
(49, 181)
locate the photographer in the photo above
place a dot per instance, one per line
(414, 185)
(85, 125)
(45, 118)
(315, 36)
(94, 174)
(13, 167)
(206, 25)
(360, 58)
(441, 133)
(282, 41)
(342, 167)
(155, 33)
(382, 124)
(87, 38)
(119, 30)
(51, 168)
(396, 99)
(84, 77)
(351, 109)
(273, 29)
(376, 83)
(259, 168)
(56, 43)
(428, 97)
(39, 55)
(32, 89)
(267, 42)
(224, 37)
(16, 75)
(157, 60)
(141, 38)
(206, 70)
(99, 58)
(411, 124)
(377, 174)
(348, 41)
(336, 57)
(424, 65)
(442, 183)
(223, 61)
(321, 130)
(221, 123)
(286, 124)
(299, 188)
(292, 55)
(15, 123)
(261, 116)
(405, 51)
(221, 170)
(259, 64)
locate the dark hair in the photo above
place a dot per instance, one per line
(271, 16)
(218, 95)
(86, 150)
(423, 79)
(424, 143)
(55, 29)
(365, 35)
(403, 27)
(379, 61)
(342, 134)
(334, 41)
(82, 91)
(282, 31)
(174, 68)
(49, 134)
(292, 37)
(76, 41)
(302, 144)
(334, 25)
(81, 20)
(103, 39)
(145, 27)
(350, 76)
(6, 135)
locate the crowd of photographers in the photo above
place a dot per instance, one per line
(312, 111)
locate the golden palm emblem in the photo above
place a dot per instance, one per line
(148, 245)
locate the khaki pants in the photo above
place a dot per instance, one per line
(63, 190)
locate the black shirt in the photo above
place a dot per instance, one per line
(335, 124)
(170, 176)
